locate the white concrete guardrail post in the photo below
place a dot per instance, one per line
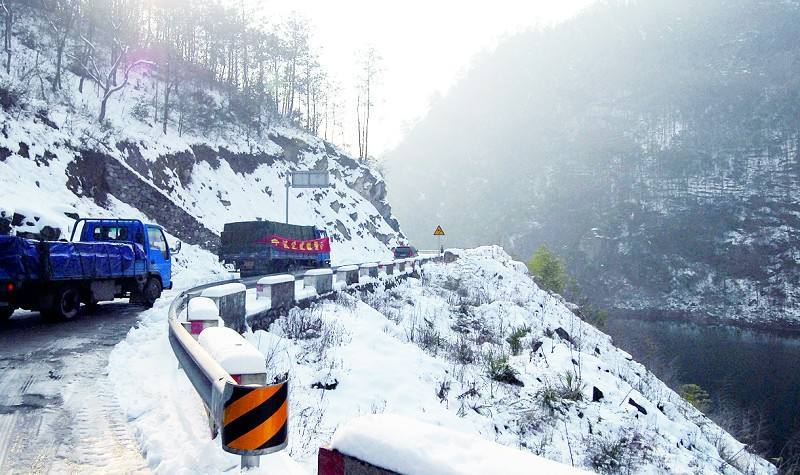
(370, 269)
(279, 289)
(201, 313)
(387, 267)
(245, 364)
(347, 274)
(230, 300)
(320, 279)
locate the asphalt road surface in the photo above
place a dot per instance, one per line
(58, 413)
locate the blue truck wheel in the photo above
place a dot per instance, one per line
(66, 304)
(5, 313)
(151, 292)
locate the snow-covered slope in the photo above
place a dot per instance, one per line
(474, 346)
(57, 162)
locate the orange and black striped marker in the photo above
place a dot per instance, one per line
(255, 418)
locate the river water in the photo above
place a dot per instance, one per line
(751, 369)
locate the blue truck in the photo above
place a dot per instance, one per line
(264, 247)
(111, 258)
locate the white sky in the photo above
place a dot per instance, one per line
(425, 46)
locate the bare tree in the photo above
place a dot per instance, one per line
(65, 13)
(297, 34)
(170, 84)
(85, 51)
(107, 82)
(267, 71)
(370, 70)
(8, 16)
(359, 129)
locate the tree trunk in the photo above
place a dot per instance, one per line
(85, 57)
(180, 114)
(103, 102)
(366, 123)
(114, 68)
(59, 54)
(7, 38)
(166, 108)
(155, 104)
(358, 118)
(308, 98)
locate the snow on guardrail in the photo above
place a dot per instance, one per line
(227, 372)
(235, 354)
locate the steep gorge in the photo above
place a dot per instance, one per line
(655, 145)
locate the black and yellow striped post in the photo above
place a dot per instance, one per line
(255, 418)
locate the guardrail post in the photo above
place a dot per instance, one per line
(388, 267)
(230, 299)
(320, 279)
(348, 274)
(279, 289)
(368, 270)
(250, 461)
(332, 462)
(201, 313)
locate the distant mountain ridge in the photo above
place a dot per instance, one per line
(655, 145)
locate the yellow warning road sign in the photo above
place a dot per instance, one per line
(439, 231)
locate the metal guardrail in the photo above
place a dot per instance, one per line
(233, 407)
(242, 412)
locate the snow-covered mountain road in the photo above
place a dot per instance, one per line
(57, 412)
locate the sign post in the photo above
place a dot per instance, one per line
(440, 232)
(305, 179)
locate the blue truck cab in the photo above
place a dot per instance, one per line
(150, 237)
(103, 260)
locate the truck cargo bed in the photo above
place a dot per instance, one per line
(25, 259)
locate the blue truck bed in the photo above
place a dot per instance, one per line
(24, 259)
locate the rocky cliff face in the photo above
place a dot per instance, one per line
(655, 146)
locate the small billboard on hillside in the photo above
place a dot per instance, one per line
(310, 179)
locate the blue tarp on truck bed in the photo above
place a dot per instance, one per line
(25, 259)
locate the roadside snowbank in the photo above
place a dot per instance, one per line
(411, 447)
(473, 346)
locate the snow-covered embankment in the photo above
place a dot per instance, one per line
(474, 346)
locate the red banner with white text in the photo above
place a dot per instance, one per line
(311, 246)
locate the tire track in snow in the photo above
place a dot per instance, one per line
(57, 411)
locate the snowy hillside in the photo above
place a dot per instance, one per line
(57, 162)
(474, 346)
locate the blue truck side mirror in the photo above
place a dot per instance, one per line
(176, 249)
